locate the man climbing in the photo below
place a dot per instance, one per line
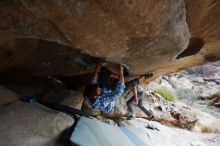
(100, 95)
(137, 98)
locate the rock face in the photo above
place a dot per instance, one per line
(161, 135)
(198, 87)
(32, 124)
(43, 37)
(203, 80)
(7, 96)
(64, 96)
(168, 113)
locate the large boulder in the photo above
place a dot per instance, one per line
(171, 114)
(120, 107)
(66, 97)
(162, 135)
(33, 124)
(44, 37)
(7, 96)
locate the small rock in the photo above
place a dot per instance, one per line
(152, 127)
(217, 95)
(217, 104)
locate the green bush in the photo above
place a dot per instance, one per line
(212, 102)
(179, 76)
(166, 94)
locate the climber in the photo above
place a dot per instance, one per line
(100, 95)
(137, 98)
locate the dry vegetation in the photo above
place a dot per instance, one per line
(212, 127)
(207, 124)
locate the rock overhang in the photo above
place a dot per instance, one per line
(65, 37)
